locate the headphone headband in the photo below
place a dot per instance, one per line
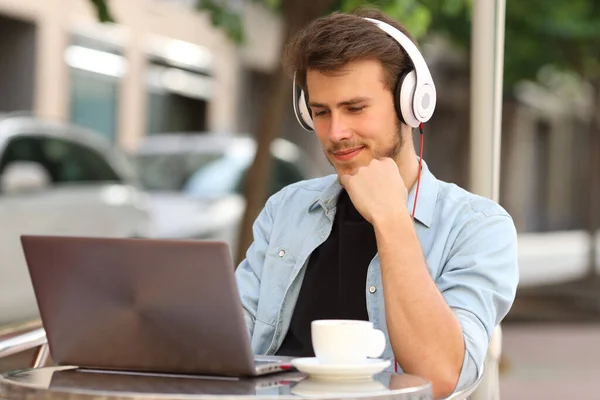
(415, 92)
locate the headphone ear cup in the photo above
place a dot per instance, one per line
(397, 89)
(301, 109)
(306, 116)
(404, 98)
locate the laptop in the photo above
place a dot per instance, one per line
(142, 305)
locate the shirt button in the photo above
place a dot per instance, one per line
(281, 253)
(372, 289)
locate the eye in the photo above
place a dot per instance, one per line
(319, 113)
(355, 109)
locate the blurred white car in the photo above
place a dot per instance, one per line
(196, 181)
(56, 179)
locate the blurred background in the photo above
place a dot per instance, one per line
(173, 119)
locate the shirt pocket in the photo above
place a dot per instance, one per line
(276, 277)
(280, 261)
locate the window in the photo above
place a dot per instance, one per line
(177, 99)
(94, 102)
(22, 149)
(219, 178)
(64, 161)
(228, 176)
(171, 172)
(171, 112)
(72, 162)
(179, 84)
(96, 70)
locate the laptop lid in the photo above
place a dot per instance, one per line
(140, 304)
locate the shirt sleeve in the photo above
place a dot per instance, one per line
(249, 272)
(479, 283)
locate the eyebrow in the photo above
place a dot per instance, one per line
(344, 103)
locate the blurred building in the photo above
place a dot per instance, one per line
(162, 68)
(165, 68)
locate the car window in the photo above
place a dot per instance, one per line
(228, 176)
(283, 173)
(221, 177)
(72, 162)
(23, 148)
(63, 160)
(170, 172)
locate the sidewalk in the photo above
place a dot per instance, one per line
(550, 361)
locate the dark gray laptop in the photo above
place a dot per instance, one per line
(143, 305)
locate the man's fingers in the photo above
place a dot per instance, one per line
(345, 180)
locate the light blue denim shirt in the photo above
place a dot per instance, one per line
(469, 242)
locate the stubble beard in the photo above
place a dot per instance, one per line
(390, 152)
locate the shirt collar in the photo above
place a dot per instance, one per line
(428, 191)
(328, 198)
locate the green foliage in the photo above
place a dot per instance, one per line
(413, 14)
(223, 15)
(562, 33)
(102, 11)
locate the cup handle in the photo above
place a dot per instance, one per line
(376, 343)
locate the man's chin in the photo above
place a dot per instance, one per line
(345, 171)
(347, 168)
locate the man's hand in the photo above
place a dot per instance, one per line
(377, 190)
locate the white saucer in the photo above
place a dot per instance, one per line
(340, 372)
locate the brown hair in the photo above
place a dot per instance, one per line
(330, 42)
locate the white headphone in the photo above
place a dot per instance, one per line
(415, 95)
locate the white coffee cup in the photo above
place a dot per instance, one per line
(337, 341)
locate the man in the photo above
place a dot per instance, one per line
(346, 247)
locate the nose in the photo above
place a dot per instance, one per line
(338, 128)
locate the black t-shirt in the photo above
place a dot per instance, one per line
(334, 286)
